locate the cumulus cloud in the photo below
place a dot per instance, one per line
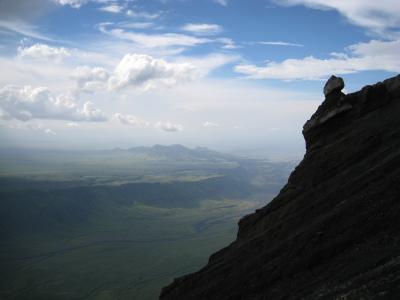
(208, 124)
(168, 126)
(374, 55)
(144, 71)
(26, 103)
(90, 113)
(44, 52)
(91, 79)
(131, 120)
(378, 16)
(202, 28)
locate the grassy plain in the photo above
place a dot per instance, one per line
(120, 224)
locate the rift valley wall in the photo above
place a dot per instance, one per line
(333, 232)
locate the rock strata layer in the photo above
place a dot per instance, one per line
(333, 232)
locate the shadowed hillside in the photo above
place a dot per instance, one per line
(333, 232)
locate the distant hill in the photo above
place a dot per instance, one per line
(138, 161)
(179, 152)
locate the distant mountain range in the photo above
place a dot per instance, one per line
(165, 152)
(179, 152)
(34, 161)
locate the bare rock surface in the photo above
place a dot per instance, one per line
(333, 232)
(333, 84)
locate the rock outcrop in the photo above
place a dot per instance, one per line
(333, 84)
(333, 232)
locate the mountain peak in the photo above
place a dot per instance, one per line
(179, 152)
(333, 232)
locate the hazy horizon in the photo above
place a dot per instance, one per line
(273, 154)
(225, 74)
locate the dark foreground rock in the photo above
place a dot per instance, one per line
(333, 84)
(333, 232)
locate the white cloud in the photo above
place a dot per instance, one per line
(374, 55)
(79, 3)
(221, 2)
(376, 48)
(131, 120)
(280, 43)
(112, 8)
(26, 103)
(135, 121)
(172, 42)
(44, 52)
(205, 64)
(30, 126)
(142, 14)
(208, 124)
(378, 16)
(72, 3)
(202, 28)
(227, 43)
(137, 25)
(144, 71)
(23, 28)
(166, 40)
(72, 124)
(90, 113)
(91, 79)
(49, 131)
(168, 126)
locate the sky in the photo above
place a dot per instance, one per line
(226, 74)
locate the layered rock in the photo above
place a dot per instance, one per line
(333, 232)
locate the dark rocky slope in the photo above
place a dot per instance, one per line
(333, 232)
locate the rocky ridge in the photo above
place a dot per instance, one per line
(333, 232)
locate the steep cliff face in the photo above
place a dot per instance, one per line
(333, 232)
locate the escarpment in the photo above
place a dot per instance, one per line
(333, 232)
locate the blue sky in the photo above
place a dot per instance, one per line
(226, 74)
